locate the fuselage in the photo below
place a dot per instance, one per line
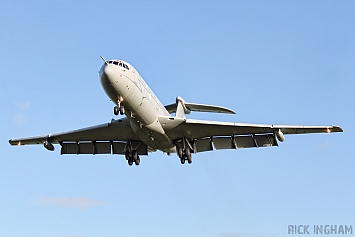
(123, 85)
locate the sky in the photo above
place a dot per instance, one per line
(273, 62)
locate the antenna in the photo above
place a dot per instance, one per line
(103, 59)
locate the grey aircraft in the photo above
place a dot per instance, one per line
(149, 126)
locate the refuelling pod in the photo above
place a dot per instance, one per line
(280, 136)
(49, 146)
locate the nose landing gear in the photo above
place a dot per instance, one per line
(119, 109)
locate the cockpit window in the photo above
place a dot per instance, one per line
(119, 64)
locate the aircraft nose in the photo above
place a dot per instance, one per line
(109, 71)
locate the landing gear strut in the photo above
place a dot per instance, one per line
(184, 151)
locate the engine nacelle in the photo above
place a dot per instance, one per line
(280, 136)
(49, 146)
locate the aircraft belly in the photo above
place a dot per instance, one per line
(153, 139)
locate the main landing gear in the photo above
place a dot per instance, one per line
(132, 157)
(131, 154)
(184, 151)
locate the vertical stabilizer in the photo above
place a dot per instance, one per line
(181, 109)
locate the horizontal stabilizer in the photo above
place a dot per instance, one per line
(208, 108)
(188, 107)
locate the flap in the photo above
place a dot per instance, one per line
(101, 148)
(234, 142)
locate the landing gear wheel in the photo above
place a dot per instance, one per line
(121, 110)
(187, 152)
(135, 155)
(179, 152)
(138, 161)
(116, 110)
(127, 154)
(188, 155)
(182, 160)
(130, 162)
(189, 159)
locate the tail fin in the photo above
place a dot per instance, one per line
(181, 109)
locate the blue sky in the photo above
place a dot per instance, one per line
(278, 62)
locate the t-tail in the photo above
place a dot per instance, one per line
(181, 108)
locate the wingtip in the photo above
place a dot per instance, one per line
(227, 111)
(336, 129)
(14, 142)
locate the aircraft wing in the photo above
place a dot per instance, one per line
(106, 138)
(209, 135)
